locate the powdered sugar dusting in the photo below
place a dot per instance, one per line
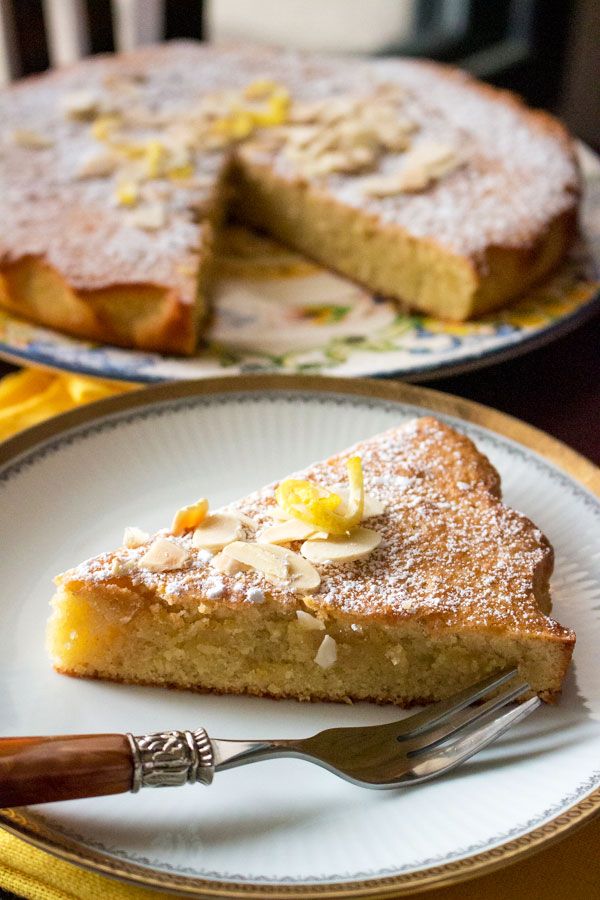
(449, 555)
(519, 172)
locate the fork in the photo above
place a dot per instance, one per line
(417, 748)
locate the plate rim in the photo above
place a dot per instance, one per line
(469, 362)
(577, 467)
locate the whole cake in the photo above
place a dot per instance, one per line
(407, 176)
(389, 572)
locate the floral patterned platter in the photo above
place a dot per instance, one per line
(277, 312)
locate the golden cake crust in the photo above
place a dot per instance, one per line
(495, 224)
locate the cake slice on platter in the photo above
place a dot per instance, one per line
(390, 572)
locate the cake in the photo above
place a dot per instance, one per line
(390, 572)
(407, 176)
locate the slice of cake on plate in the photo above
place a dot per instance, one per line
(408, 177)
(389, 572)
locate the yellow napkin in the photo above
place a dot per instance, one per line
(569, 869)
(30, 396)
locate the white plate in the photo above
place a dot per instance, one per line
(281, 825)
(275, 312)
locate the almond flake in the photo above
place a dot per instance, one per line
(33, 140)
(226, 565)
(81, 105)
(134, 537)
(149, 217)
(278, 564)
(358, 544)
(423, 166)
(163, 556)
(98, 164)
(217, 530)
(288, 531)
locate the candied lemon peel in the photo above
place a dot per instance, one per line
(308, 502)
(247, 114)
(189, 517)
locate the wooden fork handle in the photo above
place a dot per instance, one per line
(43, 769)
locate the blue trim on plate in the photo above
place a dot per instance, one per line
(471, 360)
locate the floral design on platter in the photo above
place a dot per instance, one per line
(275, 311)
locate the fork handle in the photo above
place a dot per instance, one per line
(67, 767)
(43, 769)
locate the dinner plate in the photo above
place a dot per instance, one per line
(284, 827)
(276, 312)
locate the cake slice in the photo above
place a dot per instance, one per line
(408, 177)
(403, 591)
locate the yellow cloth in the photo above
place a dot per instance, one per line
(30, 396)
(570, 869)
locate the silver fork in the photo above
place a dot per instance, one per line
(414, 749)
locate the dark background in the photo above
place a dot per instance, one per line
(546, 50)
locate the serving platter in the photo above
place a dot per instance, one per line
(282, 828)
(276, 312)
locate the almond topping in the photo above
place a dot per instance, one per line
(134, 537)
(81, 105)
(371, 507)
(342, 548)
(288, 531)
(163, 555)
(150, 217)
(278, 564)
(264, 559)
(99, 165)
(226, 565)
(33, 140)
(217, 530)
(422, 167)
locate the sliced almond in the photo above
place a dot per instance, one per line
(288, 531)
(33, 140)
(276, 563)
(163, 555)
(308, 622)
(327, 653)
(189, 517)
(426, 164)
(271, 561)
(371, 507)
(82, 105)
(423, 165)
(342, 548)
(217, 530)
(149, 217)
(246, 521)
(99, 164)
(226, 565)
(134, 537)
